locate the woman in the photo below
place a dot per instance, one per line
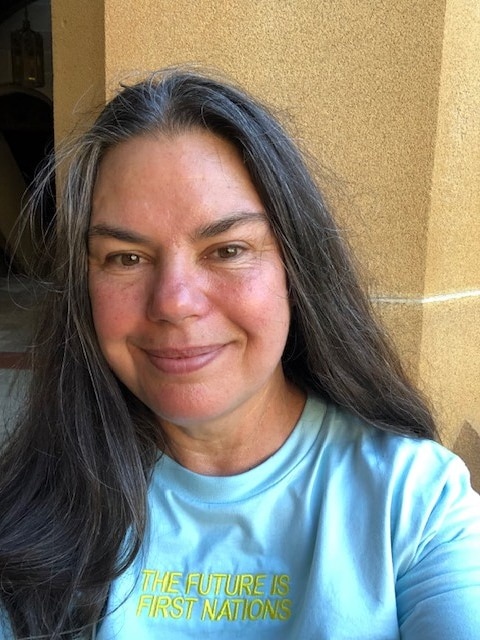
(219, 441)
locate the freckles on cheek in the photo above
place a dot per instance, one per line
(112, 308)
(266, 311)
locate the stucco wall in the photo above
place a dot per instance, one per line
(78, 34)
(450, 347)
(373, 91)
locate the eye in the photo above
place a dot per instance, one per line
(124, 259)
(228, 252)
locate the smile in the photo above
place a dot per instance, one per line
(183, 361)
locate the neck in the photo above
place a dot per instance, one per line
(233, 445)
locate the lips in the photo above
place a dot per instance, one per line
(183, 360)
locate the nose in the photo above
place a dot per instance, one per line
(177, 292)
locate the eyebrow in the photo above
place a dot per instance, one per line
(119, 233)
(209, 230)
(220, 226)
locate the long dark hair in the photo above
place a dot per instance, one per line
(74, 474)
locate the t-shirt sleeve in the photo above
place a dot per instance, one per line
(438, 572)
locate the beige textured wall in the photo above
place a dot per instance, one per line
(450, 348)
(384, 94)
(78, 35)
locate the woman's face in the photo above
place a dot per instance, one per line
(186, 282)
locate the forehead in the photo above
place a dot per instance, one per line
(191, 175)
(186, 155)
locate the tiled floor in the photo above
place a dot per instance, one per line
(16, 319)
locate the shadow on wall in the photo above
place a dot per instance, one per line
(26, 136)
(467, 446)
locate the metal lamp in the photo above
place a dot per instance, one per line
(27, 56)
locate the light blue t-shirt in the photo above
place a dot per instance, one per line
(345, 533)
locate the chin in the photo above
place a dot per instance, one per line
(195, 412)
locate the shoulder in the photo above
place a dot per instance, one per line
(412, 478)
(421, 487)
(393, 457)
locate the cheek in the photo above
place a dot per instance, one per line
(113, 309)
(261, 305)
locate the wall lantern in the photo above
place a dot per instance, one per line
(27, 56)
